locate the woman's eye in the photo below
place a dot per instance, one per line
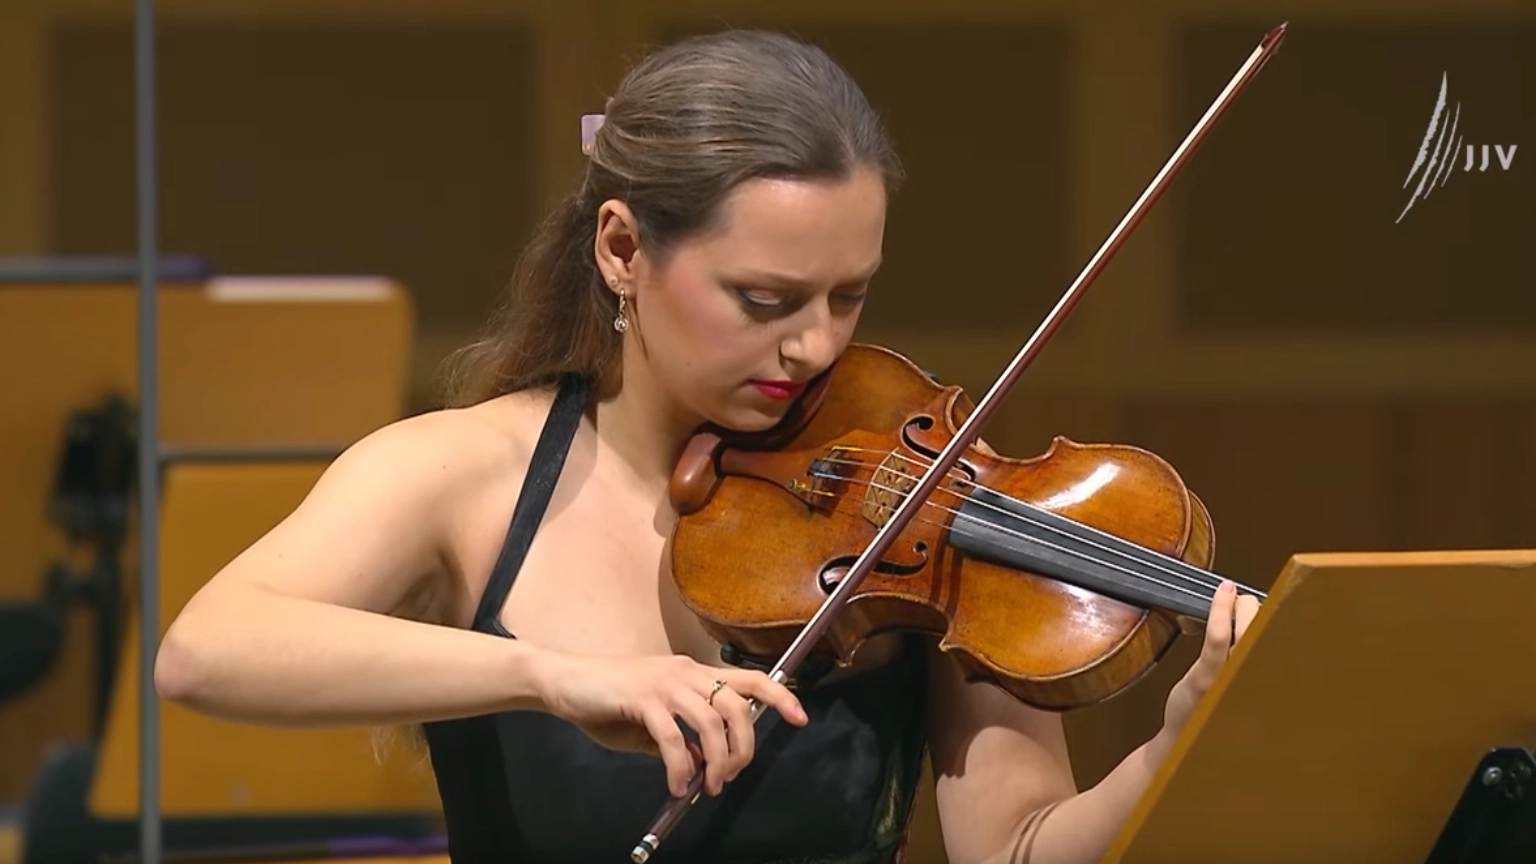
(759, 299)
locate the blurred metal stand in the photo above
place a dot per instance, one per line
(149, 434)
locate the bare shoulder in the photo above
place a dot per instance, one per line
(441, 455)
(439, 468)
(445, 450)
(384, 526)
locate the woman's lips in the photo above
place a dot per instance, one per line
(779, 389)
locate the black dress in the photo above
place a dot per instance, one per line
(530, 788)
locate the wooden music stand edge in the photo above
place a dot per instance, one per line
(1275, 762)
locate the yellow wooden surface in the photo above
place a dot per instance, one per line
(212, 512)
(430, 859)
(242, 363)
(1352, 714)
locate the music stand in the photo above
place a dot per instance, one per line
(1380, 709)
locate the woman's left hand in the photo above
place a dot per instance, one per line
(1230, 617)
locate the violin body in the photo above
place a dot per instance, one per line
(766, 526)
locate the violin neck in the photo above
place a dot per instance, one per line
(994, 527)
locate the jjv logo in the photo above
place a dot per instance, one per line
(1442, 151)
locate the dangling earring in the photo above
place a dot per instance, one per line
(621, 323)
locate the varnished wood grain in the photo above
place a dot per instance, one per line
(749, 560)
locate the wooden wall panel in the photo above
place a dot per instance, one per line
(1514, 457)
(1451, 475)
(1289, 211)
(955, 256)
(404, 150)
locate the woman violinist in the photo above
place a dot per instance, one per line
(494, 571)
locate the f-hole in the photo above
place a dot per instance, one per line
(922, 422)
(833, 571)
(925, 422)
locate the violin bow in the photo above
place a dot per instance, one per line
(673, 811)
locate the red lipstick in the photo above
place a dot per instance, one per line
(779, 389)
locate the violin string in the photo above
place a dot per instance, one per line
(1182, 589)
(1205, 580)
(1173, 568)
(1206, 585)
(1207, 592)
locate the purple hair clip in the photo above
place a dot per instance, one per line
(590, 123)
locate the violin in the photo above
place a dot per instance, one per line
(1062, 578)
(1057, 578)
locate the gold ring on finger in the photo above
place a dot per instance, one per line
(710, 699)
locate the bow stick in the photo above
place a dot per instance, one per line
(672, 812)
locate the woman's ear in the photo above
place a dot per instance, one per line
(617, 243)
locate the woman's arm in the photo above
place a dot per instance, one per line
(1005, 789)
(297, 630)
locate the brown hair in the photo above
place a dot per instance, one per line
(688, 124)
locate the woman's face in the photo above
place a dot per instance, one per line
(735, 321)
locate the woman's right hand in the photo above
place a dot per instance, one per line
(633, 704)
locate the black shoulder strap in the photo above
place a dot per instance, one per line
(538, 487)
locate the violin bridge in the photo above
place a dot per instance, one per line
(893, 480)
